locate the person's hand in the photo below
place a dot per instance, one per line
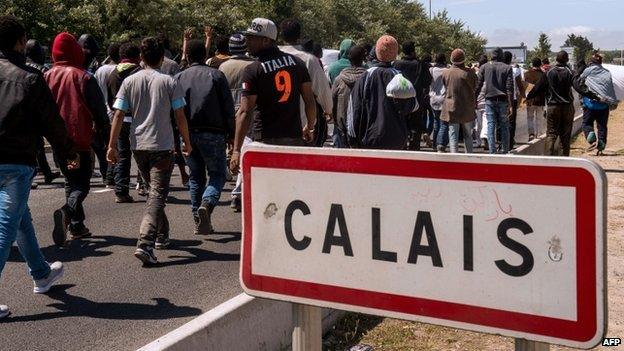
(308, 134)
(235, 162)
(188, 34)
(208, 31)
(74, 164)
(112, 156)
(186, 149)
(229, 143)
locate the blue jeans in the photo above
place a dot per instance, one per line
(454, 136)
(601, 118)
(15, 219)
(338, 138)
(77, 187)
(436, 128)
(443, 135)
(208, 155)
(122, 168)
(496, 113)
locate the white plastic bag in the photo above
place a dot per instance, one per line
(400, 88)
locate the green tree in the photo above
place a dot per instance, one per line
(325, 21)
(542, 50)
(442, 34)
(583, 48)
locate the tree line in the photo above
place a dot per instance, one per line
(583, 48)
(325, 21)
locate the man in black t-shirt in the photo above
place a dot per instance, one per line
(273, 84)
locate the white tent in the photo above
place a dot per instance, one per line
(618, 79)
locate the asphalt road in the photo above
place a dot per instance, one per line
(107, 300)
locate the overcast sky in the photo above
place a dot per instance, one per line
(507, 23)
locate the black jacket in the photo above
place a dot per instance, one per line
(27, 111)
(209, 103)
(557, 84)
(418, 73)
(375, 121)
(116, 77)
(497, 77)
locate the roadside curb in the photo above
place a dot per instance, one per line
(536, 146)
(241, 323)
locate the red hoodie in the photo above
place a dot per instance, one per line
(67, 80)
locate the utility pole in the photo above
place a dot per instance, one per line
(430, 12)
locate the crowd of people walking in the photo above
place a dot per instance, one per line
(199, 112)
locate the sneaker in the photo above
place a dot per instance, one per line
(79, 233)
(4, 311)
(145, 254)
(601, 145)
(236, 204)
(124, 199)
(97, 174)
(591, 137)
(52, 177)
(42, 286)
(162, 243)
(61, 223)
(441, 149)
(204, 225)
(531, 137)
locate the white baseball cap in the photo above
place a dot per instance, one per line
(262, 27)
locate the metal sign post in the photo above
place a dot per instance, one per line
(307, 334)
(513, 246)
(526, 345)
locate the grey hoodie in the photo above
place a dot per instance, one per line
(497, 77)
(437, 91)
(341, 93)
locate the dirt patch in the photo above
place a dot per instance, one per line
(386, 334)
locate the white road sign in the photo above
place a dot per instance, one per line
(507, 245)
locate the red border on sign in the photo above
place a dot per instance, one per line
(581, 330)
